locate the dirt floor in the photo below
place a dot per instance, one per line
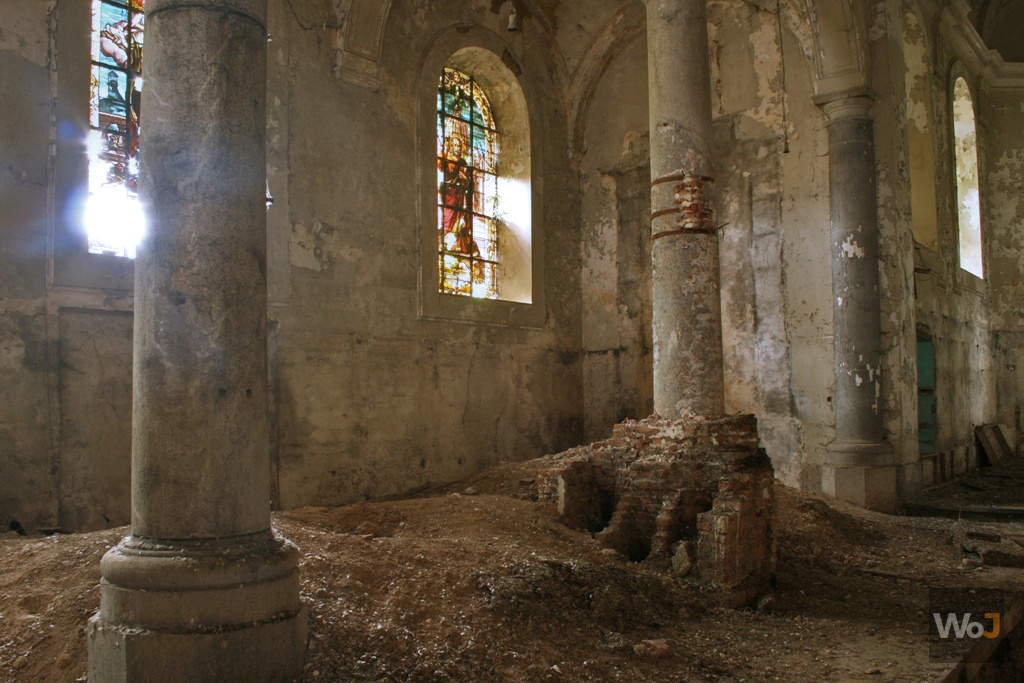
(475, 583)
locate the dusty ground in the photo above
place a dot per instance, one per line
(480, 585)
(998, 487)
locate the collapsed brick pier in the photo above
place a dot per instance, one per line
(692, 495)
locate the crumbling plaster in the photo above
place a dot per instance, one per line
(757, 189)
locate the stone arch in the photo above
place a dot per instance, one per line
(999, 25)
(619, 32)
(828, 31)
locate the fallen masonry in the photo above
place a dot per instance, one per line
(692, 496)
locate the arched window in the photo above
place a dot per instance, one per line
(113, 218)
(481, 252)
(467, 181)
(968, 199)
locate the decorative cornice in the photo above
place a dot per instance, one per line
(966, 42)
(850, 104)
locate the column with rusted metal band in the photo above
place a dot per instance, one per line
(202, 589)
(686, 311)
(859, 462)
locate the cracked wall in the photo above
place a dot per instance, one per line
(951, 306)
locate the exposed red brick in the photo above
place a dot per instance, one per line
(657, 482)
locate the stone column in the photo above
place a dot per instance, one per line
(859, 464)
(686, 302)
(202, 589)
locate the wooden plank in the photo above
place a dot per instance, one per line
(988, 444)
(1004, 443)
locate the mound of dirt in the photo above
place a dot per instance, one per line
(488, 587)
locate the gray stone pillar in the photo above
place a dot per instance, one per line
(859, 464)
(202, 589)
(686, 302)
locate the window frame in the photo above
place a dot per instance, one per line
(965, 278)
(70, 263)
(451, 48)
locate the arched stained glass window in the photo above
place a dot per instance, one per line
(467, 184)
(113, 217)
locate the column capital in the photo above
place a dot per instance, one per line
(854, 104)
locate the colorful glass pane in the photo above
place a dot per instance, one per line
(113, 217)
(467, 151)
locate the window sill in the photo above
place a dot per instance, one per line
(464, 309)
(969, 282)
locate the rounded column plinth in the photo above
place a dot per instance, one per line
(199, 610)
(862, 473)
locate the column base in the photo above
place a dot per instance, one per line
(209, 610)
(862, 473)
(873, 488)
(272, 651)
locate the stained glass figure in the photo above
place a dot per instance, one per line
(113, 218)
(467, 152)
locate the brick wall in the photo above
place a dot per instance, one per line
(692, 496)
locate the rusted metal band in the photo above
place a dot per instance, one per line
(665, 212)
(682, 231)
(680, 178)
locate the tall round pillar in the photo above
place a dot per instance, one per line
(859, 463)
(686, 308)
(202, 589)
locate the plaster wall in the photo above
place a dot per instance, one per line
(374, 399)
(28, 488)
(1002, 128)
(616, 247)
(957, 310)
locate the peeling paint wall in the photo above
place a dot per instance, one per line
(896, 241)
(772, 211)
(952, 307)
(1002, 146)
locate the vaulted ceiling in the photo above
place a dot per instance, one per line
(1001, 25)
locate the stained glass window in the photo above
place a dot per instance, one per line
(467, 182)
(113, 217)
